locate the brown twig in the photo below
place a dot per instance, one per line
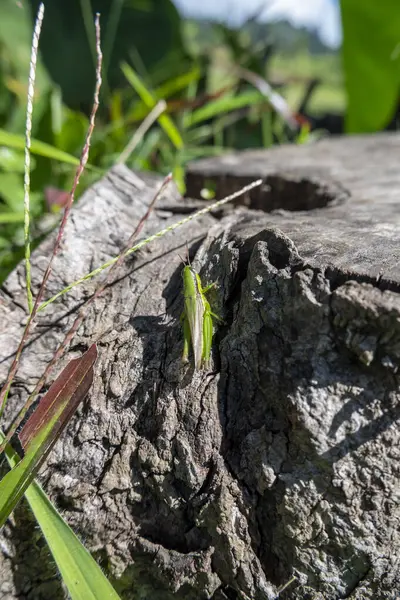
(83, 160)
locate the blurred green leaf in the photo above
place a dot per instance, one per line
(304, 135)
(150, 30)
(12, 190)
(193, 152)
(12, 161)
(198, 134)
(56, 111)
(11, 217)
(371, 61)
(165, 121)
(179, 178)
(13, 140)
(72, 133)
(173, 85)
(177, 84)
(16, 34)
(141, 157)
(224, 105)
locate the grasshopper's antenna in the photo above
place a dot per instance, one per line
(186, 261)
(187, 254)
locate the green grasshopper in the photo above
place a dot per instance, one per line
(197, 318)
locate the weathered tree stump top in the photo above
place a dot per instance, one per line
(342, 196)
(282, 459)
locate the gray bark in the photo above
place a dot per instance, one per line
(281, 459)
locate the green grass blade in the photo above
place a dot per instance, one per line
(13, 140)
(199, 134)
(165, 121)
(177, 84)
(140, 110)
(80, 572)
(11, 217)
(223, 105)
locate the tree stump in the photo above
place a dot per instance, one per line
(282, 459)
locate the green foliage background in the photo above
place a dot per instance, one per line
(145, 33)
(150, 54)
(371, 62)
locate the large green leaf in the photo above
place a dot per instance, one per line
(142, 32)
(371, 61)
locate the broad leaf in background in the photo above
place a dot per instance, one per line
(80, 572)
(371, 61)
(147, 33)
(45, 425)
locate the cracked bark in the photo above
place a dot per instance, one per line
(281, 460)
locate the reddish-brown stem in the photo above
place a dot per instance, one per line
(70, 334)
(83, 160)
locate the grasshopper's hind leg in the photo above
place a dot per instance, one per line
(207, 338)
(186, 338)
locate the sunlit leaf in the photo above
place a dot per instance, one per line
(12, 140)
(371, 61)
(44, 426)
(11, 217)
(12, 161)
(165, 121)
(176, 84)
(12, 190)
(80, 572)
(223, 105)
